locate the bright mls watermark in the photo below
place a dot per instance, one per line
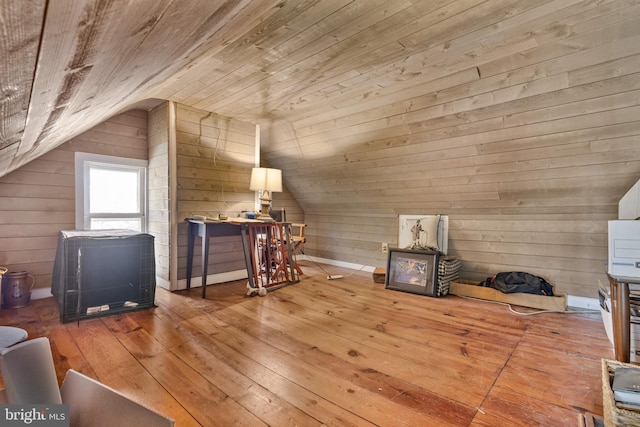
(34, 415)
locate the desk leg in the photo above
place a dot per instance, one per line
(247, 248)
(191, 242)
(620, 319)
(205, 262)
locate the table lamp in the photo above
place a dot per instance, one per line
(265, 180)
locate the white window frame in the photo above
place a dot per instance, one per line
(83, 163)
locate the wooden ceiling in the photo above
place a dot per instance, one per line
(301, 67)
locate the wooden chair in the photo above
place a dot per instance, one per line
(296, 231)
(270, 255)
(298, 240)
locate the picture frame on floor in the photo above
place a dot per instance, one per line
(414, 271)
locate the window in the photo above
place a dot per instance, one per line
(110, 193)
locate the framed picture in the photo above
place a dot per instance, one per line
(414, 271)
(424, 232)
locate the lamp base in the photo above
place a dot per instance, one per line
(263, 215)
(265, 209)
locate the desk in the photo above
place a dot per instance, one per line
(207, 229)
(267, 265)
(620, 316)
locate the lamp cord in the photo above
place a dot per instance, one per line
(341, 277)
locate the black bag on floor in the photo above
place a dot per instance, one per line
(518, 281)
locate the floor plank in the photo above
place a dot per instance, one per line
(338, 353)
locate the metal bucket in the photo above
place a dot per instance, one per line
(16, 289)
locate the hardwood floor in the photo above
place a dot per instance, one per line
(341, 352)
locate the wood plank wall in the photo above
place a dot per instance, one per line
(215, 155)
(214, 160)
(38, 199)
(527, 144)
(159, 191)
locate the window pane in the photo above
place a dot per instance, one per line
(113, 191)
(114, 224)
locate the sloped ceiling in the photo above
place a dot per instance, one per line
(74, 63)
(309, 71)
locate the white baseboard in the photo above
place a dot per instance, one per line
(163, 283)
(338, 263)
(228, 276)
(40, 293)
(583, 302)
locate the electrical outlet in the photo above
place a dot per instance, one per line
(385, 247)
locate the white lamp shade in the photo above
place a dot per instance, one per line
(266, 179)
